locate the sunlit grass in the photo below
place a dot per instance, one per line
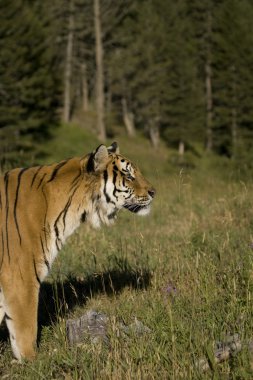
(185, 271)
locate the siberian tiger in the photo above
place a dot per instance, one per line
(39, 208)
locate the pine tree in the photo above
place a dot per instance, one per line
(139, 66)
(155, 71)
(185, 89)
(107, 15)
(202, 15)
(27, 85)
(233, 77)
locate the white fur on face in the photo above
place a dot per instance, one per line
(144, 211)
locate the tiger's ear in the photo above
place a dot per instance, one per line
(113, 148)
(98, 159)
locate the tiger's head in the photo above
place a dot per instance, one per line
(122, 185)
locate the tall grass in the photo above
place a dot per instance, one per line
(185, 271)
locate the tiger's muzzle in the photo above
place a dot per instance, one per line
(141, 205)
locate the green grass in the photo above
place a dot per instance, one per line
(185, 271)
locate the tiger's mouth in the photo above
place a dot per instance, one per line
(140, 209)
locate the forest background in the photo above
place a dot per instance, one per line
(178, 71)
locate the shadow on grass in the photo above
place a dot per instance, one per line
(57, 299)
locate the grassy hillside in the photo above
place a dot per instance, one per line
(185, 272)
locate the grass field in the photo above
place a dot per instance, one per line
(185, 272)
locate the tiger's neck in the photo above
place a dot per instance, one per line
(83, 203)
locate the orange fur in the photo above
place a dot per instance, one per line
(39, 208)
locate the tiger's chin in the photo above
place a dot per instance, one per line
(138, 209)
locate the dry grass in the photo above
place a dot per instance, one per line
(185, 271)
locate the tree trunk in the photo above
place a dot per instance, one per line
(234, 132)
(154, 134)
(68, 66)
(108, 94)
(128, 118)
(234, 126)
(85, 96)
(209, 95)
(99, 74)
(181, 148)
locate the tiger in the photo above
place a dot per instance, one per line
(40, 207)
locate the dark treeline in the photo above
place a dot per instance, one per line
(177, 70)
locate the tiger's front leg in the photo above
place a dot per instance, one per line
(21, 309)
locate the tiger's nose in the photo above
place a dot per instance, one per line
(151, 192)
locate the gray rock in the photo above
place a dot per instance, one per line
(92, 327)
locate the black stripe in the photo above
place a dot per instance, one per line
(35, 175)
(83, 217)
(57, 240)
(114, 183)
(45, 229)
(8, 317)
(121, 191)
(75, 180)
(129, 196)
(112, 215)
(41, 180)
(68, 204)
(124, 185)
(64, 213)
(6, 181)
(35, 271)
(65, 210)
(56, 169)
(44, 254)
(16, 202)
(108, 200)
(90, 164)
(20, 272)
(115, 174)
